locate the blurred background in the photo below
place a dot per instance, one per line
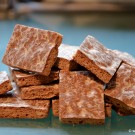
(26, 6)
(112, 22)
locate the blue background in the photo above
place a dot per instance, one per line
(115, 31)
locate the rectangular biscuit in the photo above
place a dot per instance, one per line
(32, 49)
(120, 91)
(65, 57)
(55, 108)
(40, 92)
(81, 98)
(24, 79)
(12, 107)
(5, 84)
(96, 58)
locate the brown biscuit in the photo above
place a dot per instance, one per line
(12, 107)
(120, 111)
(65, 57)
(55, 107)
(96, 58)
(5, 84)
(39, 92)
(32, 49)
(125, 57)
(120, 91)
(81, 98)
(23, 78)
(108, 110)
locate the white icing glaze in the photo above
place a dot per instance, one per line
(15, 90)
(125, 86)
(91, 93)
(80, 103)
(78, 98)
(84, 113)
(3, 77)
(30, 45)
(127, 58)
(101, 56)
(67, 51)
(18, 102)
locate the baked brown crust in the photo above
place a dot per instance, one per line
(55, 108)
(65, 57)
(96, 58)
(24, 79)
(32, 49)
(40, 92)
(16, 108)
(5, 84)
(81, 98)
(120, 91)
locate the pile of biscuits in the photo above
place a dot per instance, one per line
(80, 84)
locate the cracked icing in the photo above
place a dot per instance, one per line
(29, 48)
(67, 51)
(127, 58)
(95, 51)
(3, 77)
(78, 98)
(125, 86)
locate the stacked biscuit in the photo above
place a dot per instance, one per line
(31, 53)
(81, 84)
